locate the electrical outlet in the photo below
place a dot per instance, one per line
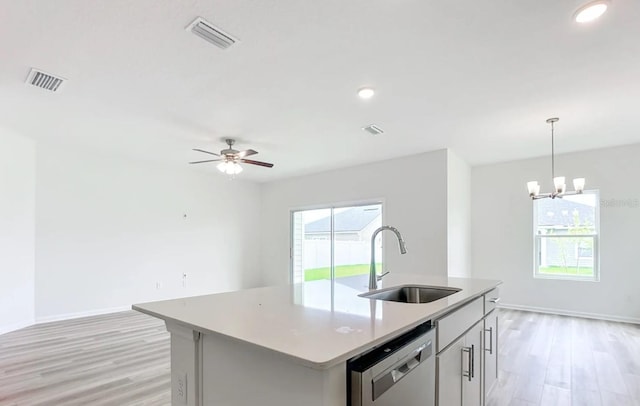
(180, 387)
(158, 285)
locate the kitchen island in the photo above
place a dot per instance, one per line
(288, 345)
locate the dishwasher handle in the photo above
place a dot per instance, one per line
(386, 380)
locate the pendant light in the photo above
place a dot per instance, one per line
(559, 184)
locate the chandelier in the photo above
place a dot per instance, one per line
(558, 181)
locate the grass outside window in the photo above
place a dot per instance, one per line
(341, 271)
(566, 271)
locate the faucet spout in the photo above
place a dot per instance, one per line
(373, 278)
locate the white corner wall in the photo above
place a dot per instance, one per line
(458, 216)
(414, 192)
(109, 230)
(17, 231)
(503, 238)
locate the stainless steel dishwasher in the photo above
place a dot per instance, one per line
(398, 373)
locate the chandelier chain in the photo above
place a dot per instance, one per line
(553, 159)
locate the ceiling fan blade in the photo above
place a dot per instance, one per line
(249, 161)
(206, 152)
(209, 160)
(248, 152)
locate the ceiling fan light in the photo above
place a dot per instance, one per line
(578, 184)
(229, 167)
(222, 167)
(229, 159)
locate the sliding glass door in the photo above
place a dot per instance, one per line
(334, 243)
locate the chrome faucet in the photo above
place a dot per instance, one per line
(373, 278)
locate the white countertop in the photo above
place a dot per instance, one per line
(303, 323)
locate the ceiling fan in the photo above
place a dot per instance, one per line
(231, 158)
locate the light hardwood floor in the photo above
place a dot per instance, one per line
(549, 360)
(115, 360)
(122, 359)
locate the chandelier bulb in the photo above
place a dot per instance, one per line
(533, 187)
(559, 184)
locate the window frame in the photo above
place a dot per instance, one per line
(537, 243)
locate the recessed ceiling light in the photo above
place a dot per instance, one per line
(591, 11)
(366, 93)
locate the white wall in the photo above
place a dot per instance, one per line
(17, 231)
(503, 241)
(414, 191)
(458, 216)
(108, 229)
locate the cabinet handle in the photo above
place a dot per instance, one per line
(490, 330)
(469, 373)
(494, 299)
(473, 361)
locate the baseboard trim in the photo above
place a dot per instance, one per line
(560, 312)
(77, 315)
(16, 326)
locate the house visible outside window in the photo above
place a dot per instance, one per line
(566, 235)
(334, 243)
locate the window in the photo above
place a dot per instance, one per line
(334, 243)
(566, 232)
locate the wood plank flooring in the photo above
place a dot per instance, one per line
(110, 360)
(122, 359)
(549, 360)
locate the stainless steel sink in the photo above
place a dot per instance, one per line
(411, 293)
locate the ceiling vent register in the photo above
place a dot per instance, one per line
(210, 33)
(45, 80)
(373, 129)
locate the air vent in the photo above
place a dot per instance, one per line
(210, 33)
(373, 129)
(45, 80)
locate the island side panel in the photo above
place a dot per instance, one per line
(241, 374)
(186, 365)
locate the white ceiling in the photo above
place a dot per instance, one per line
(479, 77)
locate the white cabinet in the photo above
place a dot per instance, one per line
(472, 366)
(490, 353)
(491, 300)
(455, 324)
(459, 370)
(449, 375)
(490, 361)
(467, 358)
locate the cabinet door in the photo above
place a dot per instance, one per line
(472, 366)
(449, 375)
(490, 351)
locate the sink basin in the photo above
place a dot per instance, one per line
(411, 294)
